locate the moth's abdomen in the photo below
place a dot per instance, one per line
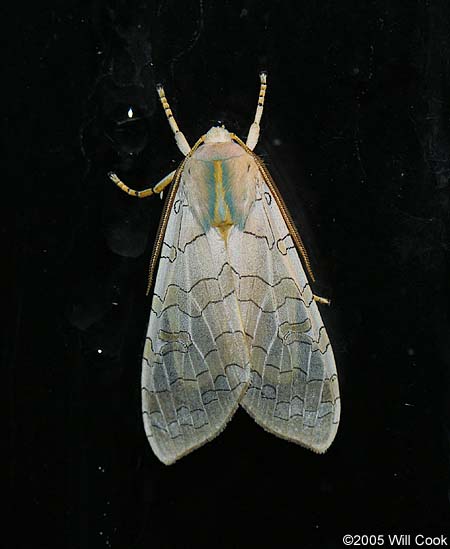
(220, 186)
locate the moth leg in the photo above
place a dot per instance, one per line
(158, 188)
(322, 300)
(181, 141)
(253, 134)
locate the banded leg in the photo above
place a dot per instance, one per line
(181, 141)
(321, 300)
(253, 134)
(158, 188)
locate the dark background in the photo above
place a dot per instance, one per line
(356, 133)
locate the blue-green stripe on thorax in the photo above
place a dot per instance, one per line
(221, 207)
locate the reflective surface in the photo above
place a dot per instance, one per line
(356, 134)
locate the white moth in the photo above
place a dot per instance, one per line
(233, 319)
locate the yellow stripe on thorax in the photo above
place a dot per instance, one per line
(222, 214)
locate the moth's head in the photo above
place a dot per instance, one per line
(218, 135)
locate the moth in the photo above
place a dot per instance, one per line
(233, 320)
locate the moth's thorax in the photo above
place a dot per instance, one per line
(220, 182)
